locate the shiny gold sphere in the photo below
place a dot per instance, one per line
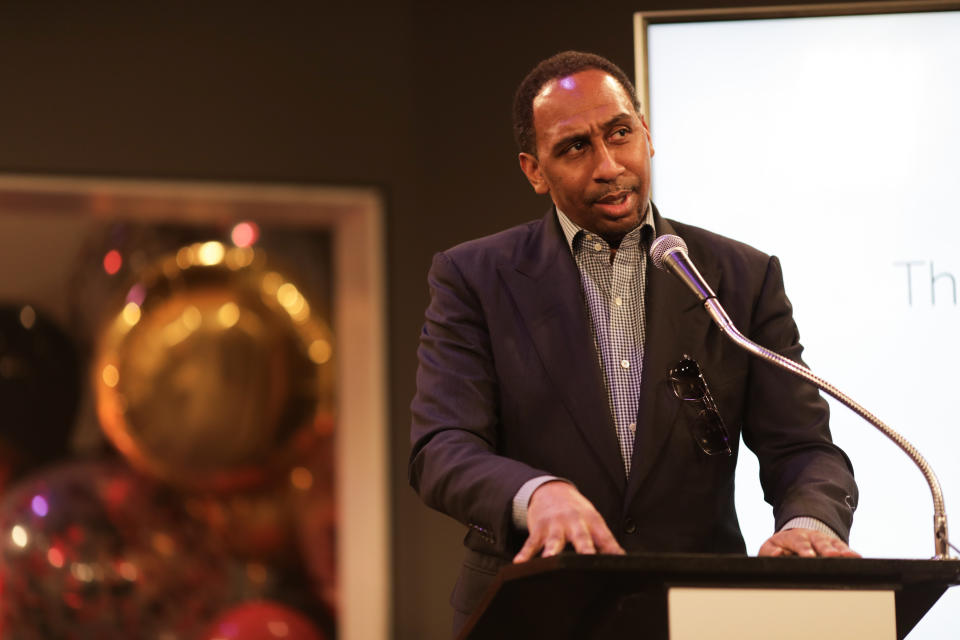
(215, 373)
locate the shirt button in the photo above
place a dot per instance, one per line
(629, 525)
(619, 301)
(632, 427)
(597, 246)
(625, 364)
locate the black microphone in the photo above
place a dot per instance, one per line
(669, 253)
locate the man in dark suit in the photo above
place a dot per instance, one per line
(547, 410)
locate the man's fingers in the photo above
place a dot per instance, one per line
(547, 543)
(558, 514)
(611, 547)
(553, 545)
(801, 546)
(787, 543)
(828, 546)
(530, 547)
(604, 540)
(582, 541)
(806, 543)
(770, 549)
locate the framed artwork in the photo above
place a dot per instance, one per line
(217, 331)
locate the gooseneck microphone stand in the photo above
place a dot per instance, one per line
(670, 254)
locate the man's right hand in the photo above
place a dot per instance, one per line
(559, 514)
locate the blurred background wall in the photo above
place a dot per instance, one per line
(411, 98)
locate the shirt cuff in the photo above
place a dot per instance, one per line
(522, 499)
(806, 522)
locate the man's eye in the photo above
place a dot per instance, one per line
(574, 148)
(622, 132)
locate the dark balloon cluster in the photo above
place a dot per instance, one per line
(91, 549)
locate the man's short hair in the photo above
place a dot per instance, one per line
(560, 65)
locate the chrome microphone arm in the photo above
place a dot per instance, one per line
(941, 541)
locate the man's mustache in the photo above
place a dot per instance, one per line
(612, 190)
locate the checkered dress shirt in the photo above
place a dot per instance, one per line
(614, 285)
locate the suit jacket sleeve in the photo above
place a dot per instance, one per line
(454, 464)
(786, 424)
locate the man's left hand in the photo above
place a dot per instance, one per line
(806, 543)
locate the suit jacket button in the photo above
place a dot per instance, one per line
(629, 525)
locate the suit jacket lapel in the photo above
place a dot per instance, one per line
(676, 321)
(545, 285)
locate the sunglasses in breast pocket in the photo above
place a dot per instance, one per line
(689, 385)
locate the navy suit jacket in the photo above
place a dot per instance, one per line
(509, 388)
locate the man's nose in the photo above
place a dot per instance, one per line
(607, 167)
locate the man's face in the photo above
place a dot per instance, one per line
(593, 153)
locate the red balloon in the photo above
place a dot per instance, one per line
(263, 620)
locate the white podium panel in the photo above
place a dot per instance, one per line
(785, 614)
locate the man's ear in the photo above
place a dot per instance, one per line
(531, 168)
(646, 131)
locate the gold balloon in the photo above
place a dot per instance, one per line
(215, 373)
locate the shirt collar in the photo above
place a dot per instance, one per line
(571, 229)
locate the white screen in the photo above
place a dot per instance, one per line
(834, 143)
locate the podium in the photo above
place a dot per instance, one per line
(581, 597)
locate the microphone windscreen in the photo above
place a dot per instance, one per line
(662, 245)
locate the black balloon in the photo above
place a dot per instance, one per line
(39, 388)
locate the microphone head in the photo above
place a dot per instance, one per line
(664, 245)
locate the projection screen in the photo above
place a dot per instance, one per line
(833, 142)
